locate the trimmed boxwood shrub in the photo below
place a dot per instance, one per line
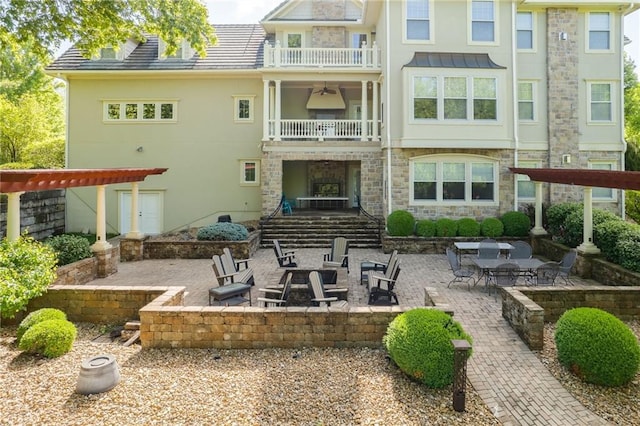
(419, 342)
(51, 338)
(516, 224)
(446, 227)
(400, 223)
(629, 252)
(35, 317)
(223, 231)
(69, 248)
(607, 234)
(573, 232)
(468, 227)
(491, 227)
(557, 215)
(426, 228)
(597, 347)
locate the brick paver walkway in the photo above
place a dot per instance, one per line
(511, 380)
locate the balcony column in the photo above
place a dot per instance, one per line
(13, 215)
(374, 113)
(364, 113)
(265, 110)
(101, 243)
(278, 111)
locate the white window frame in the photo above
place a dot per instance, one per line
(590, 102)
(526, 164)
(243, 168)
(588, 31)
(598, 193)
(440, 81)
(237, 99)
(495, 21)
(532, 101)
(430, 19)
(286, 39)
(469, 161)
(532, 30)
(140, 115)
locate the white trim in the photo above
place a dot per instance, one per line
(613, 165)
(528, 164)
(120, 106)
(496, 25)
(286, 38)
(587, 22)
(612, 102)
(430, 20)
(534, 35)
(243, 164)
(236, 108)
(533, 100)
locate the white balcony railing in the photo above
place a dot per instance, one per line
(364, 57)
(321, 130)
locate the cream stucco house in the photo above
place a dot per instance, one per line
(402, 104)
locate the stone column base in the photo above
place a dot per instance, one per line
(132, 249)
(107, 261)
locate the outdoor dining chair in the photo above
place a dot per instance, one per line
(460, 273)
(545, 274)
(505, 275)
(521, 250)
(488, 249)
(566, 264)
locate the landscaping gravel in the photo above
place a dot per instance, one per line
(239, 387)
(620, 405)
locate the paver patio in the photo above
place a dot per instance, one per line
(511, 380)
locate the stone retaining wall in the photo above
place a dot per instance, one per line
(166, 323)
(191, 249)
(423, 245)
(528, 308)
(41, 213)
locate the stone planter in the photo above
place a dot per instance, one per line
(98, 374)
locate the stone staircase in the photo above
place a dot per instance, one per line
(319, 231)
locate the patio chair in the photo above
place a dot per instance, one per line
(228, 277)
(286, 258)
(545, 274)
(373, 265)
(488, 249)
(318, 295)
(460, 273)
(280, 296)
(505, 275)
(381, 286)
(566, 264)
(339, 255)
(239, 264)
(521, 250)
(231, 267)
(286, 206)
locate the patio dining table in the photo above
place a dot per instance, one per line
(475, 245)
(487, 265)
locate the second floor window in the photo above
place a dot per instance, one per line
(524, 23)
(418, 21)
(482, 21)
(599, 31)
(243, 109)
(600, 104)
(140, 111)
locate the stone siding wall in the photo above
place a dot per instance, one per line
(422, 245)
(41, 213)
(328, 10)
(526, 309)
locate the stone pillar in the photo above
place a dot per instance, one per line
(107, 261)
(563, 92)
(132, 249)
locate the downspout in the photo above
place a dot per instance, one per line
(623, 206)
(514, 93)
(387, 71)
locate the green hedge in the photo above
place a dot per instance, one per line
(51, 338)
(516, 224)
(426, 228)
(36, 317)
(468, 227)
(491, 227)
(400, 223)
(446, 227)
(69, 248)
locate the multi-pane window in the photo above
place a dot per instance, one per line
(600, 103)
(139, 111)
(453, 180)
(249, 172)
(525, 101)
(602, 193)
(108, 53)
(482, 21)
(599, 31)
(524, 27)
(526, 187)
(425, 97)
(455, 98)
(418, 21)
(243, 109)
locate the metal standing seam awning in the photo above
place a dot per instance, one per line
(583, 177)
(15, 182)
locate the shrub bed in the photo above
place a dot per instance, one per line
(50, 338)
(401, 223)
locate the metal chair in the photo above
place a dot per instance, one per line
(488, 249)
(521, 250)
(566, 264)
(505, 275)
(545, 274)
(459, 273)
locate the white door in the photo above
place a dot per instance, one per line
(149, 212)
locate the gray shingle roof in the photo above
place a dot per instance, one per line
(239, 47)
(452, 60)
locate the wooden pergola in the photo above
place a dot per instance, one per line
(583, 177)
(14, 183)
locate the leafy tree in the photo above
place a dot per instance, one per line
(32, 130)
(631, 115)
(22, 72)
(95, 24)
(27, 268)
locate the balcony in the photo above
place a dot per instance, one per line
(364, 57)
(321, 130)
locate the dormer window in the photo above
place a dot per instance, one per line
(119, 53)
(183, 52)
(108, 53)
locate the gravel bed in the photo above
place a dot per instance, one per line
(239, 387)
(620, 405)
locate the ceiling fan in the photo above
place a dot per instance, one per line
(325, 90)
